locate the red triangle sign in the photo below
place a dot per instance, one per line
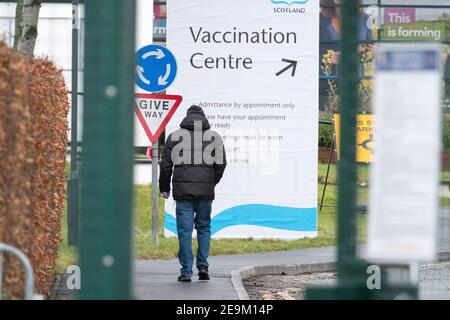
(154, 112)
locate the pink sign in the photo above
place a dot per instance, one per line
(399, 15)
(160, 11)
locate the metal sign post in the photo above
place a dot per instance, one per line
(154, 111)
(155, 194)
(153, 123)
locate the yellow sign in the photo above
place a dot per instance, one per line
(364, 136)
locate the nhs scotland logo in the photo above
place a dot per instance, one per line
(283, 6)
(290, 3)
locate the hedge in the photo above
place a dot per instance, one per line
(446, 130)
(325, 132)
(33, 141)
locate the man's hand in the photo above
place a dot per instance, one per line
(165, 195)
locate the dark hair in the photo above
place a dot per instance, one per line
(328, 8)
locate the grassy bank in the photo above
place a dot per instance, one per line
(168, 247)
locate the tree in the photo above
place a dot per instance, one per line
(27, 17)
(18, 24)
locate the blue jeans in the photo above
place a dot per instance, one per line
(186, 219)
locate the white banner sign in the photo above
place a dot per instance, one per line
(404, 196)
(253, 67)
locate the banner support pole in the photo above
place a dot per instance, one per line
(330, 158)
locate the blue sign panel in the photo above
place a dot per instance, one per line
(408, 60)
(156, 68)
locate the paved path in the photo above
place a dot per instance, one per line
(435, 282)
(156, 279)
(444, 231)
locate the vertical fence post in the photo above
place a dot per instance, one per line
(74, 181)
(107, 163)
(351, 272)
(347, 173)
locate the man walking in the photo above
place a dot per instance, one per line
(196, 157)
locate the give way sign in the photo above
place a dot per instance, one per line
(154, 111)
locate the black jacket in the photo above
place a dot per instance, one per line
(196, 157)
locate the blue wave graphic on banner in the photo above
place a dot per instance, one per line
(277, 217)
(289, 3)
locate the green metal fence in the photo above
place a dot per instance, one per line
(106, 176)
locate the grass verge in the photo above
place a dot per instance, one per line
(168, 247)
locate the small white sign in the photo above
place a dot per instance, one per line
(404, 194)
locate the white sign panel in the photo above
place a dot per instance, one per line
(253, 67)
(404, 197)
(144, 37)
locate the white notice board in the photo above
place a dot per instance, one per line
(404, 195)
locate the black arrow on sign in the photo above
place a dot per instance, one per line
(292, 64)
(365, 144)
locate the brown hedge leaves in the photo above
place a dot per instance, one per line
(33, 138)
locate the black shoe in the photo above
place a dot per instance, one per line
(183, 278)
(203, 274)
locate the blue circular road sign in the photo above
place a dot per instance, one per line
(156, 68)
